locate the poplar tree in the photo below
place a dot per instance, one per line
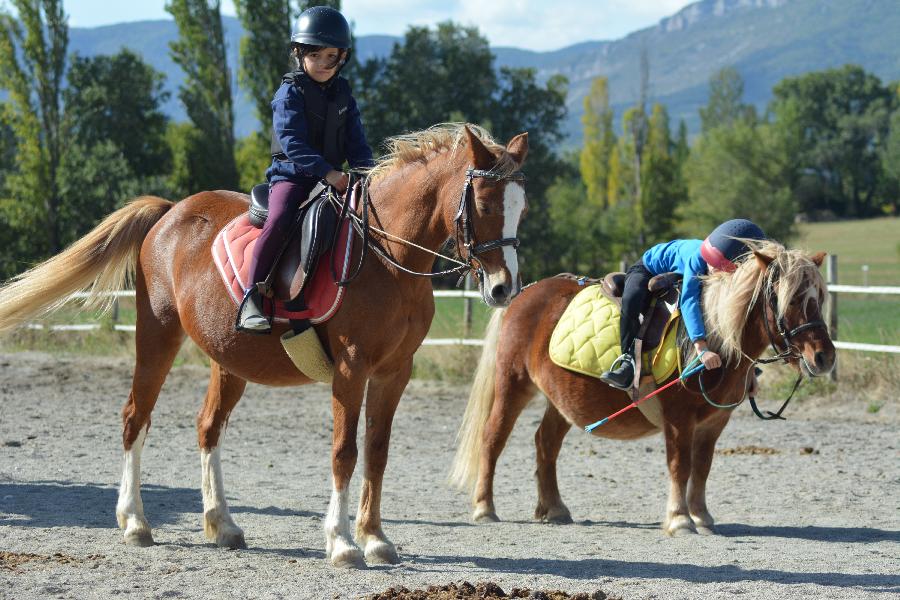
(32, 63)
(599, 142)
(206, 95)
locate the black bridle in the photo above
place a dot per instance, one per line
(469, 247)
(465, 235)
(790, 351)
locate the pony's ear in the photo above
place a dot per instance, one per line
(518, 148)
(482, 158)
(818, 258)
(764, 260)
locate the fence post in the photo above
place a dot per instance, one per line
(832, 274)
(623, 266)
(115, 310)
(467, 309)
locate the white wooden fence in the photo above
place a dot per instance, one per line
(832, 317)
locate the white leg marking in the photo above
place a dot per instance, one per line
(217, 522)
(339, 545)
(130, 508)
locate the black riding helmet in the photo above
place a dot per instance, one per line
(322, 26)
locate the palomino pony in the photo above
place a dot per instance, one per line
(417, 194)
(778, 290)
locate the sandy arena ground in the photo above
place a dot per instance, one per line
(813, 511)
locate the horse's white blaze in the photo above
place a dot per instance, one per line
(513, 205)
(130, 508)
(337, 523)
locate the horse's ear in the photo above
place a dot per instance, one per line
(518, 148)
(763, 259)
(818, 258)
(482, 158)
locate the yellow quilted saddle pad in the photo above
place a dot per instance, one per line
(586, 338)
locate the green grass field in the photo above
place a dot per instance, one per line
(875, 243)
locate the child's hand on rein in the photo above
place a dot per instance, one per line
(710, 360)
(339, 180)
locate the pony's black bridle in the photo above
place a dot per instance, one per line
(465, 236)
(790, 351)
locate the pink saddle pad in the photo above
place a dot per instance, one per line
(232, 252)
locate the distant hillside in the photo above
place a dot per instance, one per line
(766, 40)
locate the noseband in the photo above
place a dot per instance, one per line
(470, 248)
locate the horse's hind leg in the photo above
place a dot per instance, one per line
(705, 438)
(548, 441)
(511, 395)
(156, 346)
(222, 394)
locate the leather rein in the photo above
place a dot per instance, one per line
(465, 235)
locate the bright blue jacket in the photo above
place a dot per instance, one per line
(682, 256)
(289, 124)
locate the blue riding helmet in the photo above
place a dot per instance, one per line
(720, 249)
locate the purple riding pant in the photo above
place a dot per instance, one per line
(284, 198)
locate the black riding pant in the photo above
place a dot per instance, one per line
(635, 302)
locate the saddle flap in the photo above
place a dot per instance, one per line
(319, 226)
(614, 284)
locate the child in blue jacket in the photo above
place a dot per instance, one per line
(316, 127)
(692, 259)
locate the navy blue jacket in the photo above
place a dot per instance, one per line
(305, 163)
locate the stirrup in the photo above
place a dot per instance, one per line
(624, 357)
(250, 315)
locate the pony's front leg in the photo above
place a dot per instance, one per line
(346, 400)
(222, 395)
(704, 447)
(382, 397)
(679, 436)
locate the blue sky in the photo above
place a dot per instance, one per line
(538, 25)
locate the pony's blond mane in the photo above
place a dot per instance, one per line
(409, 148)
(728, 298)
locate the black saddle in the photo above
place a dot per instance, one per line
(314, 227)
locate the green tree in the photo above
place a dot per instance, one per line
(206, 93)
(433, 76)
(743, 171)
(662, 190)
(891, 164)
(842, 117)
(726, 105)
(118, 99)
(32, 63)
(599, 142)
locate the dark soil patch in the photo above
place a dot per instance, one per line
(483, 589)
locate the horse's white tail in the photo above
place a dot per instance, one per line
(468, 452)
(102, 261)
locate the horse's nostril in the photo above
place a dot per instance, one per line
(821, 359)
(500, 292)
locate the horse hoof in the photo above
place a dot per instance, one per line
(555, 516)
(382, 553)
(141, 538)
(680, 525)
(485, 516)
(231, 540)
(348, 558)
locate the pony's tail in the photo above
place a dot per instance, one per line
(102, 261)
(464, 472)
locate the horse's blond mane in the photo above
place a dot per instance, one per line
(728, 298)
(408, 148)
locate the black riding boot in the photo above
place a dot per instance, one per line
(621, 373)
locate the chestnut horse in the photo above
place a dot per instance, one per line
(778, 290)
(416, 196)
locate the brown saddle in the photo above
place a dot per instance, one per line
(663, 286)
(314, 227)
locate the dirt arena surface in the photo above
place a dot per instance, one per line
(808, 508)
